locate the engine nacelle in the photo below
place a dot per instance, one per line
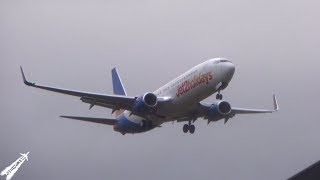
(145, 103)
(219, 110)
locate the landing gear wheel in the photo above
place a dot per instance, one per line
(192, 128)
(185, 128)
(219, 96)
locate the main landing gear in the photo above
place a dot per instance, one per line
(189, 127)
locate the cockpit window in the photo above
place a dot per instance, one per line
(220, 61)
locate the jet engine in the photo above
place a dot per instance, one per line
(145, 103)
(219, 111)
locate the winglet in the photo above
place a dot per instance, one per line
(25, 80)
(275, 103)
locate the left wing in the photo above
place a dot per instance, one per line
(255, 111)
(202, 111)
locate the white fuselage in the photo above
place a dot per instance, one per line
(179, 100)
(187, 90)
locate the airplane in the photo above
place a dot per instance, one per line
(179, 100)
(25, 156)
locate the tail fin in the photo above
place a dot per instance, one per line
(118, 88)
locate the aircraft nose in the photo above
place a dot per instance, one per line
(229, 69)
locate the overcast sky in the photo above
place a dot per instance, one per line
(75, 44)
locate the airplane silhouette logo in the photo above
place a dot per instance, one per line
(13, 168)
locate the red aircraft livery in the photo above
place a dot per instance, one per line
(195, 82)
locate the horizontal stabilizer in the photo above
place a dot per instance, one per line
(94, 120)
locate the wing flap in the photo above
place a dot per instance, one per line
(94, 120)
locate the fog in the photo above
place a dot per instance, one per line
(75, 44)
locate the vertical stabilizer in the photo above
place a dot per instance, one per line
(118, 87)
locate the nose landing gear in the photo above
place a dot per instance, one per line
(219, 96)
(220, 87)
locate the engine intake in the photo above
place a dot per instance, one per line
(224, 107)
(219, 111)
(150, 99)
(145, 104)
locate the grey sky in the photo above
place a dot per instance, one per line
(75, 44)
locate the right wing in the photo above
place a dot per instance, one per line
(114, 102)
